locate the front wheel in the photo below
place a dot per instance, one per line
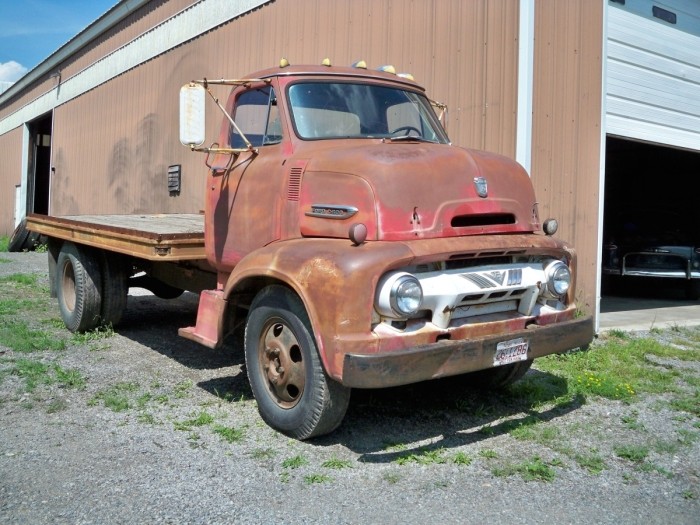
(293, 392)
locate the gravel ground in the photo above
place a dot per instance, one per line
(74, 456)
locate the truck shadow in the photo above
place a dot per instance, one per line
(383, 426)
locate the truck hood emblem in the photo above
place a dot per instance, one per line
(482, 189)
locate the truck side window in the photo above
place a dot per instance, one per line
(257, 115)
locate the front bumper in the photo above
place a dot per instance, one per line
(447, 358)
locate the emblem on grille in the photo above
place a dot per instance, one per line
(492, 279)
(497, 277)
(482, 189)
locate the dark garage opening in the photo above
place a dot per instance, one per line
(651, 216)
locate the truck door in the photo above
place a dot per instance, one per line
(244, 200)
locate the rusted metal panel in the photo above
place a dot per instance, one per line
(567, 127)
(10, 175)
(447, 358)
(154, 237)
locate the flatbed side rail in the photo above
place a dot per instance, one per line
(166, 237)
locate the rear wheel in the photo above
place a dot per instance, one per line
(500, 376)
(293, 392)
(115, 287)
(79, 287)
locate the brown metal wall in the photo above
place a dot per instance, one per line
(10, 175)
(566, 152)
(112, 145)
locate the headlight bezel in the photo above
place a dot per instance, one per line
(392, 292)
(554, 271)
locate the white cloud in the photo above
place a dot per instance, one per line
(11, 71)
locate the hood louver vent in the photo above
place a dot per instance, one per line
(294, 184)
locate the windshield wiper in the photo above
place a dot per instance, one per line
(408, 138)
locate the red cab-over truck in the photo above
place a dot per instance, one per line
(356, 246)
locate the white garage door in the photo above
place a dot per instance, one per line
(653, 71)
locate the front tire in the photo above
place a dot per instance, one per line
(293, 392)
(79, 287)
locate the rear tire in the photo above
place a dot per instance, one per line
(293, 392)
(79, 287)
(692, 289)
(115, 287)
(500, 376)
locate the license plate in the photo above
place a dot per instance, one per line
(510, 352)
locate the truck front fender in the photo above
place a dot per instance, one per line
(335, 280)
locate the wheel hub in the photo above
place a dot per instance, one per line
(281, 361)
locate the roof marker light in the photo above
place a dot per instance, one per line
(360, 64)
(326, 62)
(387, 69)
(407, 76)
(284, 62)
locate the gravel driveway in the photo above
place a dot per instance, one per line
(140, 426)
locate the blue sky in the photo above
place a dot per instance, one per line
(31, 30)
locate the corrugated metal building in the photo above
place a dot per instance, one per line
(551, 83)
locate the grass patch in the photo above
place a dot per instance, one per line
(295, 462)
(202, 419)
(423, 457)
(20, 337)
(116, 398)
(462, 459)
(533, 469)
(337, 464)
(4, 243)
(35, 373)
(229, 434)
(592, 462)
(23, 279)
(619, 368)
(98, 334)
(634, 453)
(313, 479)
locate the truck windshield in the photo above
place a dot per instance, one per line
(331, 110)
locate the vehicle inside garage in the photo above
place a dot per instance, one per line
(651, 228)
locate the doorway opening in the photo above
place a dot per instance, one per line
(39, 165)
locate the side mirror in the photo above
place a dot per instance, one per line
(192, 114)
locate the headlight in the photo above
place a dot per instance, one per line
(399, 295)
(558, 278)
(406, 295)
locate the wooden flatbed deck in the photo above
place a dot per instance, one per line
(162, 237)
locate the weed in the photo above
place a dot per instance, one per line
(183, 388)
(391, 477)
(57, 405)
(116, 398)
(462, 459)
(4, 260)
(263, 453)
(423, 457)
(631, 421)
(593, 462)
(635, 453)
(91, 336)
(688, 437)
(532, 470)
(69, 378)
(666, 447)
(651, 467)
(337, 464)
(620, 334)
(295, 462)
(312, 479)
(229, 434)
(488, 454)
(147, 419)
(202, 419)
(4, 243)
(284, 477)
(688, 494)
(689, 403)
(532, 430)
